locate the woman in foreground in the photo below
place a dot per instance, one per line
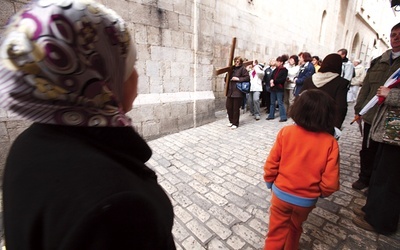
(76, 178)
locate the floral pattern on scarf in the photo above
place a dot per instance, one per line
(65, 62)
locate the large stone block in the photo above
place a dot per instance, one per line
(156, 85)
(169, 125)
(4, 132)
(185, 122)
(141, 34)
(179, 109)
(153, 68)
(142, 113)
(162, 111)
(159, 53)
(150, 129)
(184, 56)
(154, 35)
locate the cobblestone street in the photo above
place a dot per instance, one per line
(213, 176)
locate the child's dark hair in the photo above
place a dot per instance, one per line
(314, 110)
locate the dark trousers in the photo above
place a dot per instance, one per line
(383, 202)
(233, 105)
(367, 155)
(265, 99)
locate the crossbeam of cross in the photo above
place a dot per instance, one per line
(228, 69)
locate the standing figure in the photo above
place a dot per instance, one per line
(347, 66)
(298, 179)
(76, 178)
(381, 69)
(381, 212)
(256, 77)
(293, 70)
(357, 81)
(266, 96)
(277, 83)
(306, 70)
(234, 99)
(328, 79)
(316, 62)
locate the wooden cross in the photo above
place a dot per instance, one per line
(230, 66)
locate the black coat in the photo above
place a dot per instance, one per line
(279, 76)
(83, 188)
(337, 89)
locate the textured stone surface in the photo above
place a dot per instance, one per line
(224, 204)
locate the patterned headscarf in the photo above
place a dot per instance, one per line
(64, 62)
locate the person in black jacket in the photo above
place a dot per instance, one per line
(266, 95)
(277, 83)
(328, 79)
(76, 178)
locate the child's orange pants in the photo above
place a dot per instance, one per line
(285, 222)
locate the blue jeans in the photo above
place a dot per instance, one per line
(277, 96)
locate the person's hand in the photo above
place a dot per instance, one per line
(357, 118)
(383, 91)
(272, 83)
(235, 78)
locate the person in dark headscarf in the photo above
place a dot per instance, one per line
(76, 178)
(328, 79)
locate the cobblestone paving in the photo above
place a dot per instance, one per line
(213, 176)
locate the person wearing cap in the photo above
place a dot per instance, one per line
(76, 178)
(328, 79)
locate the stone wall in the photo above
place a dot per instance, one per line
(181, 43)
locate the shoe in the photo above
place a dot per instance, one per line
(269, 118)
(229, 124)
(257, 117)
(359, 185)
(233, 127)
(361, 223)
(359, 212)
(283, 120)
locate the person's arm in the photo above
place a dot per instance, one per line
(330, 177)
(271, 166)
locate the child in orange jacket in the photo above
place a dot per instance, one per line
(302, 166)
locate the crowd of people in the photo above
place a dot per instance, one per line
(274, 86)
